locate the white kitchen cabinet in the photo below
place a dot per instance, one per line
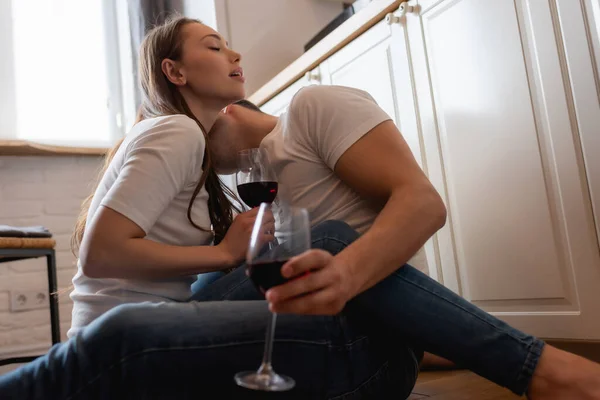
(495, 119)
(499, 102)
(583, 62)
(365, 64)
(278, 104)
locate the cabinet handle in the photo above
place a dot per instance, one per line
(395, 18)
(313, 76)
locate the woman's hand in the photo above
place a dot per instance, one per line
(236, 240)
(319, 285)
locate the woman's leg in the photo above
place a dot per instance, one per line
(170, 350)
(206, 279)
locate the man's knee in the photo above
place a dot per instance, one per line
(335, 228)
(119, 321)
(332, 236)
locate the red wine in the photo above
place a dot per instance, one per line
(265, 275)
(254, 193)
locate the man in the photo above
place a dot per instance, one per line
(341, 157)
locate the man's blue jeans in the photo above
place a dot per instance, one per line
(409, 307)
(192, 350)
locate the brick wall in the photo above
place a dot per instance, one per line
(40, 191)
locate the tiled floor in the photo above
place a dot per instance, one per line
(457, 385)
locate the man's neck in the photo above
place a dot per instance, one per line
(260, 127)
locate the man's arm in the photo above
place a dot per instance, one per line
(381, 168)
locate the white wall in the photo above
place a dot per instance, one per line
(39, 191)
(270, 34)
(204, 10)
(8, 111)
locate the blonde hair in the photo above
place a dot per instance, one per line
(161, 97)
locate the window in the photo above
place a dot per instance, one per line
(68, 62)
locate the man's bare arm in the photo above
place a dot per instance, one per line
(381, 168)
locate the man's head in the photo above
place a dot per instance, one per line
(239, 126)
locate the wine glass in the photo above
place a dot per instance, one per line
(255, 179)
(264, 264)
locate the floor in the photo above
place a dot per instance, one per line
(440, 385)
(457, 385)
(7, 368)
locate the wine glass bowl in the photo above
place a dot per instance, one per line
(256, 180)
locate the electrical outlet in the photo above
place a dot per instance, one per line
(21, 300)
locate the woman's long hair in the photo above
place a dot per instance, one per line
(161, 97)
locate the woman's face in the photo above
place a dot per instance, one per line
(210, 68)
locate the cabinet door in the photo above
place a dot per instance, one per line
(578, 21)
(493, 125)
(278, 104)
(365, 64)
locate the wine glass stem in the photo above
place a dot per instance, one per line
(265, 367)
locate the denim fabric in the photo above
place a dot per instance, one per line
(410, 307)
(178, 350)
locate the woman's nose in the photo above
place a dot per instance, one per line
(235, 56)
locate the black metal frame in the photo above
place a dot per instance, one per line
(7, 255)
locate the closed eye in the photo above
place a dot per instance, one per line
(215, 48)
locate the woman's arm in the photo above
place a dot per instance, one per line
(114, 247)
(158, 164)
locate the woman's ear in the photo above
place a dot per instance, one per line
(172, 71)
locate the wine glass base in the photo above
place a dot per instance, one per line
(265, 382)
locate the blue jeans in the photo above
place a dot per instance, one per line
(409, 307)
(193, 349)
(366, 352)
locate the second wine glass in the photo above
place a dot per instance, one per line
(255, 179)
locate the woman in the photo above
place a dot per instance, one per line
(138, 246)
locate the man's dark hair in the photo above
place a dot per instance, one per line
(249, 105)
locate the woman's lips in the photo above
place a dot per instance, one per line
(240, 78)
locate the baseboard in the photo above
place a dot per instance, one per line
(584, 348)
(21, 351)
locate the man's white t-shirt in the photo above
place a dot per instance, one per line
(151, 181)
(321, 123)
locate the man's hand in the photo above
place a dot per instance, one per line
(318, 286)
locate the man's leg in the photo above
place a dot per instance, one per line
(416, 308)
(170, 350)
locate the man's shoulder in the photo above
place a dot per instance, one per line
(326, 94)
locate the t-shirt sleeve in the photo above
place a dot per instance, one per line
(158, 164)
(330, 119)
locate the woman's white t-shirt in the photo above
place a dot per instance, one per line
(151, 181)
